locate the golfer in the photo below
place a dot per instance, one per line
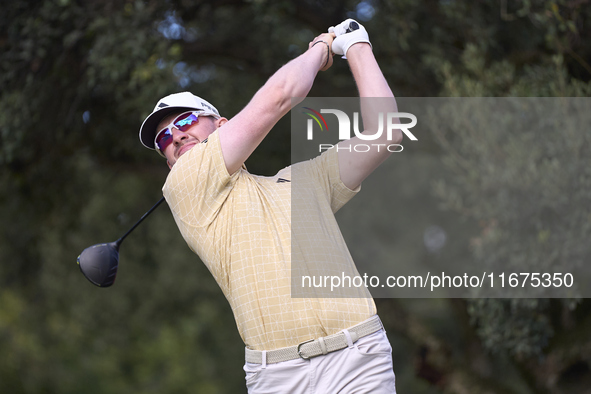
(240, 225)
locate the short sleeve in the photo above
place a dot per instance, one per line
(323, 171)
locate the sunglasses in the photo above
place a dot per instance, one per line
(181, 122)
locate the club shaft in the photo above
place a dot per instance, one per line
(118, 242)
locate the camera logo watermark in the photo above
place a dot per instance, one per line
(345, 128)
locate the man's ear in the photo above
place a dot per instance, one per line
(219, 122)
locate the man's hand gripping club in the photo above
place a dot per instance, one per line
(347, 33)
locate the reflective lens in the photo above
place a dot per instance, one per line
(163, 139)
(181, 122)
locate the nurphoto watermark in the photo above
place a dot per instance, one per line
(387, 122)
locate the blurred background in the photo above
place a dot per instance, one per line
(77, 79)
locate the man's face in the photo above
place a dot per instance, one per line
(182, 142)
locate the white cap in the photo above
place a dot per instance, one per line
(186, 101)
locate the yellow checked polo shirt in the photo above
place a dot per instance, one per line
(240, 225)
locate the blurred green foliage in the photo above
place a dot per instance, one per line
(78, 77)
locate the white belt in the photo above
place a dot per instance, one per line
(316, 347)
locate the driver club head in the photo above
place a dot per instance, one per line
(99, 263)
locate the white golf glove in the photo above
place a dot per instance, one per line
(347, 33)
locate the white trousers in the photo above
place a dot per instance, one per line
(364, 367)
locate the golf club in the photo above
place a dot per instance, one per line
(99, 262)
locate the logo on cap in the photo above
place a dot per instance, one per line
(210, 107)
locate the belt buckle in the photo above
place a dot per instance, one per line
(300, 352)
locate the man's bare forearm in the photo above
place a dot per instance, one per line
(294, 79)
(371, 83)
(376, 98)
(366, 72)
(241, 135)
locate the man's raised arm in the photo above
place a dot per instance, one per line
(244, 132)
(354, 43)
